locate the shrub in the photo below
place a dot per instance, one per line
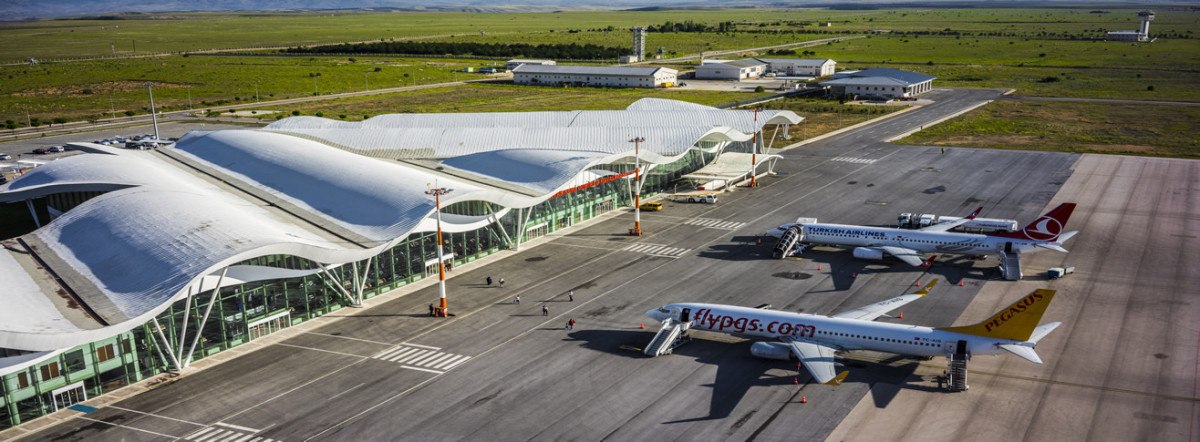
(320, 114)
(295, 113)
(130, 113)
(1150, 88)
(1050, 79)
(759, 89)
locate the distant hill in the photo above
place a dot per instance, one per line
(16, 10)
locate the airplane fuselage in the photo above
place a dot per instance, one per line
(924, 242)
(848, 334)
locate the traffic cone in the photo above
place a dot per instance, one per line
(918, 282)
(853, 275)
(818, 267)
(796, 381)
(643, 327)
(960, 283)
(803, 399)
(900, 316)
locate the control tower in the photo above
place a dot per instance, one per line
(639, 42)
(1144, 30)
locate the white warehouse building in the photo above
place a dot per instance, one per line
(800, 67)
(608, 76)
(514, 63)
(731, 69)
(880, 82)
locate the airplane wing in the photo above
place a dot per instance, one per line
(942, 227)
(817, 359)
(870, 312)
(910, 256)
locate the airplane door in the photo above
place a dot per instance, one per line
(685, 315)
(1008, 247)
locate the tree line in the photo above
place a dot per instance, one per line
(573, 51)
(691, 26)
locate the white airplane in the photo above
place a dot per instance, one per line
(813, 339)
(908, 245)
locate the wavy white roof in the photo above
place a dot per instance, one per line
(328, 191)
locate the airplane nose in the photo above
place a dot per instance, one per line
(654, 314)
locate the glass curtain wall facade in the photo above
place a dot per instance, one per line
(249, 311)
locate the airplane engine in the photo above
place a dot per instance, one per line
(771, 350)
(868, 253)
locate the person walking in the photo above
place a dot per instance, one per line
(571, 324)
(501, 282)
(517, 299)
(571, 296)
(545, 311)
(431, 310)
(489, 280)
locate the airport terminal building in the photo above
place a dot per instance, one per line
(147, 261)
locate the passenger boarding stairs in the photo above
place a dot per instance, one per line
(956, 374)
(669, 336)
(787, 243)
(1010, 265)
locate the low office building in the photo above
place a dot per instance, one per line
(885, 83)
(512, 64)
(608, 76)
(731, 69)
(800, 67)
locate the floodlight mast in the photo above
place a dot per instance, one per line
(754, 151)
(637, 186)
(437, 193)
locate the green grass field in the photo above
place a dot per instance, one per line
(503, 98)
(1132, 129)
(81, 89)
(1028, 52)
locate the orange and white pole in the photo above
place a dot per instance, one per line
(437, 201)
(637, 186)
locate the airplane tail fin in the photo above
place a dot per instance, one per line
(928, 262)
(975, 213)
(1046, 228)
(1017, 322)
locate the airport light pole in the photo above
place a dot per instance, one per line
(153, 114)
(437, 193)
(754, 151)
(637, 186)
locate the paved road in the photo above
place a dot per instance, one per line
(386, 372)
(1101, 100)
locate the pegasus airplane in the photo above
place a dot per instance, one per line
(814, 339)
(908, 245)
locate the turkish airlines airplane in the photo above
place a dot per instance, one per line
(813, 339)
(908, 245)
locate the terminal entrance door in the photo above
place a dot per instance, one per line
(536, 231)
(70, 395)
(271, 324)
(431, 266)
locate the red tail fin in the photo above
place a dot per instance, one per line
(975, 213)
(1047, 227)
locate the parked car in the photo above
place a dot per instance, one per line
(56, 149)
(651, 206)
(5, 157)
(40, 151)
